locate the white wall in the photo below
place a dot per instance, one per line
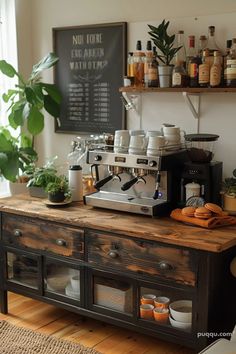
(218, 111)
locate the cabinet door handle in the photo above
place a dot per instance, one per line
(113, 254)
(17, 232)
(164, 266)
(61, 242)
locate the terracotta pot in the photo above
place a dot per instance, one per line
(230, 203)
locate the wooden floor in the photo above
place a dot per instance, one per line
(103, 337)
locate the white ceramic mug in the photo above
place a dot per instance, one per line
(138, 144)
(75, 283)
(121, 141)
(153, 133)
(136, 132)
(156, 142)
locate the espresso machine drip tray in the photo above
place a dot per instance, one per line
(124, 202)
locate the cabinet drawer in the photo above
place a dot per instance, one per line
(143, 257)
(42, 235)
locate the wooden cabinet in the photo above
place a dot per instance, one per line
(105, 274)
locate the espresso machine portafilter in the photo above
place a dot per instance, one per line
(114, 172)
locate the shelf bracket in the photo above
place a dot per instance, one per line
(194, 108)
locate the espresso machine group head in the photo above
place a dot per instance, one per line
(134, 183)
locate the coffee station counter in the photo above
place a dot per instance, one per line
(161, 229)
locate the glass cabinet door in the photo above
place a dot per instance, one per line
(62, 279)
(111, 293)
(23, 269)
(166, 307)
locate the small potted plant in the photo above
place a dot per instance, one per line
(229, 193)
(58, 190)
(40, 177)
(165, 43)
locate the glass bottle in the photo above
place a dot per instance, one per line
(180, 56)
(179, 75)
(138, 65)
(227, 52)
(215, 71)
(152, 71)
(230, 71)
(204, 70)
(147, 61)
(130, 71)
(202, 44)
(194, 64)
(211, 44)
(191, 51)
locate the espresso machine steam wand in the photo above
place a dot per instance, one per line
(158, 183)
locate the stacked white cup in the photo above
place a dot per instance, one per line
(138, 145)
(172, 135)
(155, 143)
(121, 141)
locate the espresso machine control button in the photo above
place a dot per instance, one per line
(152, 163)
(98, 158)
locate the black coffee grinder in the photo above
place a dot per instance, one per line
(201, 169)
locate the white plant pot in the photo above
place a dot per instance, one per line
(165, 75)
(18, 188)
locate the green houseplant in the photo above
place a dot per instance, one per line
(40, 177)
(165, 43)
(26, 104)
(229, 193)
(58, 190)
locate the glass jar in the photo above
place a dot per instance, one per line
(200, 147)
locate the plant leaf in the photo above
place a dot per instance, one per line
(35, 122)
(26, 141)
(53, 91)
(51, 106)
(11, 169)
(49, 60)
(5, 144)
(7, 69)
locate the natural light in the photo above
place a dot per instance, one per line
(8, 52)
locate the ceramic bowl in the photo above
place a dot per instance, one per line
(181, 311)
(178, 324)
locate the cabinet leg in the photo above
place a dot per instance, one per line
(3, 302)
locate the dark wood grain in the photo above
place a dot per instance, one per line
(131, 255)
(163, 230)
(40, 235)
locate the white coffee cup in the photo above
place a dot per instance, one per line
(75, 283)
(171, 131)
(121, 141)
(136, 132)
(156, 142)
(138, 144)
(153, 133)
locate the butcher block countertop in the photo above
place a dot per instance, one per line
(161, 229)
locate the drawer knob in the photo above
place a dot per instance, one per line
(17, 233)
(164, 266)
(60, 242)
(113, 254)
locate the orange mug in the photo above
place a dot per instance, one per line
(148, 299)
(162, 302)
(146, 311)
(161, 314)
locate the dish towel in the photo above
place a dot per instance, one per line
(215, 221)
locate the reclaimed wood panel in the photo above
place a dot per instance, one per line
(141, 257)
(164, 229)
(42, 235)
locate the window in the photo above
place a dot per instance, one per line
(8, 52)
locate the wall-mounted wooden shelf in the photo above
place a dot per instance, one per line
(188, 93)
(132, 89)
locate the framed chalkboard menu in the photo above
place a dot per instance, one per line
(92, 63)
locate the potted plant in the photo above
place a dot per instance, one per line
(26, 103)
(40, 177)
(165, 43)
(229, 193)
(58, 190)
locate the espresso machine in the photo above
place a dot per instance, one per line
(134, 183)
